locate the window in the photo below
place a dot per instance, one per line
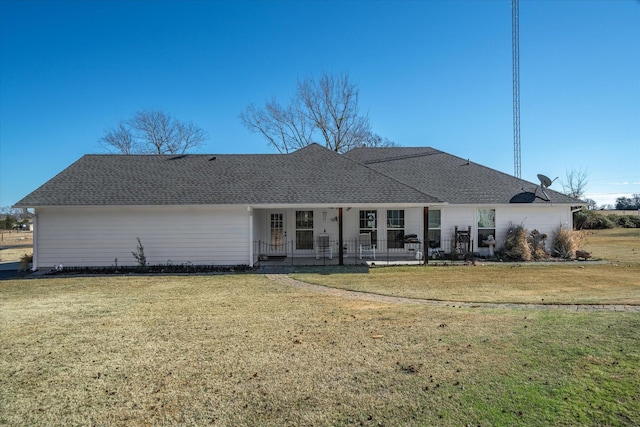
(369, 224)
(486, 225)
(304, 229)
(435, 227)
(395, 229)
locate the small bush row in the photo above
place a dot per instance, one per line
(596, 220)
(522, 245)
(153, 269)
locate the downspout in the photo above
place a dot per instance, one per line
(340, 239)
(250, 211)
(34, 262)
(425, 237)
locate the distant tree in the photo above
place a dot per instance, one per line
(323, 111)
(575, 182)
(152, 132)
(628, 203)
(378, 141)
(7, 221)
(591, 204)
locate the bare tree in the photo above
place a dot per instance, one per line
(323, 111)
(153, 132)
(286, 128)
(591, 204)
(376, 140)
(575, 182)
(118, 139)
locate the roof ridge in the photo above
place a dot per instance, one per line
(405, 156)
(391, 178)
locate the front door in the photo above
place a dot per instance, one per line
(277, 233)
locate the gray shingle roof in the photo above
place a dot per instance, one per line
(312, 175)
(453, 179)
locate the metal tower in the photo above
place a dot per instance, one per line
(515, 51)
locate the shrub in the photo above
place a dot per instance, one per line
(537, 242)
(566, 242)
(626, 221)
(521, 245)
(515, 245)
(592, 220)
(25, 260)
(139, 255)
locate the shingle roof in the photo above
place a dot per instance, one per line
(312, 175)
(453, 179)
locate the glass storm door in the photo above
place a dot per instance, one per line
(277, 233)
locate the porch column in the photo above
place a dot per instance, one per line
(340, 242)
(425, 238)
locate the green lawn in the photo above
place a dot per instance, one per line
(242, 350)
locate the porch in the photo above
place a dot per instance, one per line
(334, 236)
(381, 252)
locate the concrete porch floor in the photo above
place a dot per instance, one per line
(380, 259)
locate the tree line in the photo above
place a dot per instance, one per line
(324, 111)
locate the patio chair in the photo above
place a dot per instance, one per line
(323, 246)
(366, 246)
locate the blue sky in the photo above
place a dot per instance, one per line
(430, 73)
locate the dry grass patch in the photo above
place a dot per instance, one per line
(567, 283)
(13, 245)
(242, 350)
(616, 281)
(619, 245)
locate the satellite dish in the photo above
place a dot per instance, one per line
(545, 182)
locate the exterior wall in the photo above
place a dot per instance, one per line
(97, 236)
(544, 218)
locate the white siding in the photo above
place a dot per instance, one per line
(97, 236)
(544, 218)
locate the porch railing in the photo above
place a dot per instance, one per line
(292, 252)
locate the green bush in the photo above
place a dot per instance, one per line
(593, 220)
(626, 221)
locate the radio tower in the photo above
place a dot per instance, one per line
(515, 51)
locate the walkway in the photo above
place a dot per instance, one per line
(341, 293)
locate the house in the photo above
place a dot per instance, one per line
(237, 209)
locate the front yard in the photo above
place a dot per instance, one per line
(242, 350)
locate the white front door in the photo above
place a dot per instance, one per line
(277, 233)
